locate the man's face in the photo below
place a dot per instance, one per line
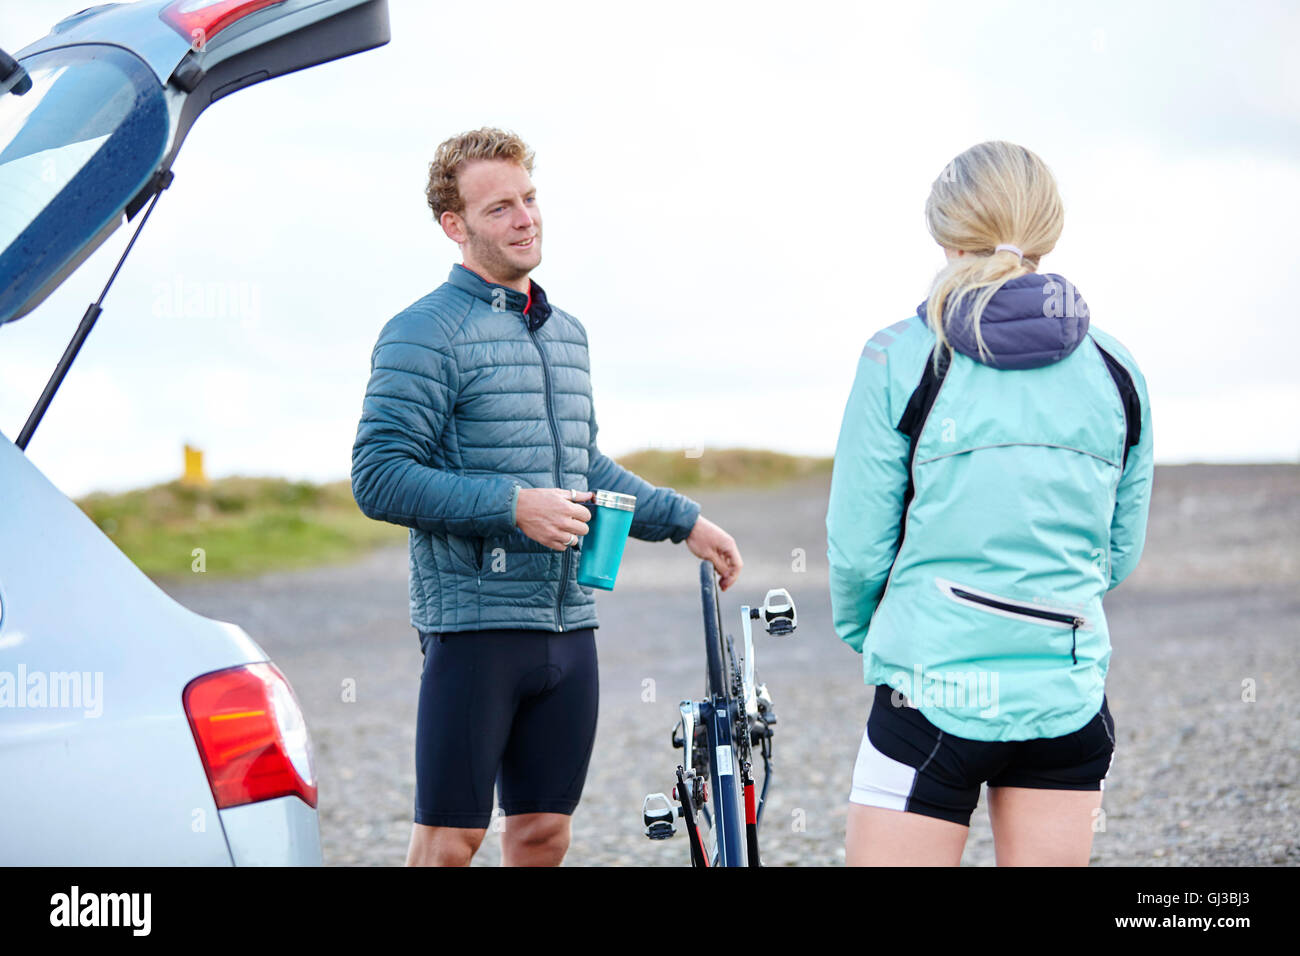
(500, 231)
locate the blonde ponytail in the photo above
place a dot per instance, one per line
(993, 193)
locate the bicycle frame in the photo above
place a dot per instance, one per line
(731, 843)
(740, 705)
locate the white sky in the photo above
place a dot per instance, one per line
(732, 197)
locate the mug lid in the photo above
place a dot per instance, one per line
(613, 499)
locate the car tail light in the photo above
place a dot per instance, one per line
(251, 735)
(200, 20)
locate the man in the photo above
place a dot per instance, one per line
(478, 432)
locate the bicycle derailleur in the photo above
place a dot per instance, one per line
(658, 812)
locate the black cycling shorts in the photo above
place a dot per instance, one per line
(907, 763)
(512, 707)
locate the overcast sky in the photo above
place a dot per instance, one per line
(733, 200)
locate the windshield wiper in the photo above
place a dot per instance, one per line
(13, 78)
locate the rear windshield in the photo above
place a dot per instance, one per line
(74, 150)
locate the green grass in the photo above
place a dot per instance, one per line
(722, 467)
(246, 526)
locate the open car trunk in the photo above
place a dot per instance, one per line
(89, 134)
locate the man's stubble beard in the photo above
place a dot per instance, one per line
(491, 257)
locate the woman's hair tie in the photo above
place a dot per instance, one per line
(1009, 247)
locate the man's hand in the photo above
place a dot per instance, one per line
(710, 543)
(550, 517)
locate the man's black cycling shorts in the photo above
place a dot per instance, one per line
(514, 708)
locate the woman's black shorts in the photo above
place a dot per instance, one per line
(514, 707)
(907, 763)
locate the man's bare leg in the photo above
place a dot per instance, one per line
(443, 846)
(535, 839)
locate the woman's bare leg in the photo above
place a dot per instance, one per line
(880, 837)
(1042, 827)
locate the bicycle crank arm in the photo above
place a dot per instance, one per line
(683, 791)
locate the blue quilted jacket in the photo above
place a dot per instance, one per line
(476, 391)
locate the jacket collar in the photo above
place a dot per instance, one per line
(533, 306)
(1031, 321)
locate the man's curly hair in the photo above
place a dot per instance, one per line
(443, 192)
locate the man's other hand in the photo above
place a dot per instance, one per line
(550, 517)
(710, 543)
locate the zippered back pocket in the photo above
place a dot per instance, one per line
(1018, 610)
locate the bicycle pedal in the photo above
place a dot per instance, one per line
(778, 613)
(658, 819)
(660, 830)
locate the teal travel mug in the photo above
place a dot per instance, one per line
(602, 546)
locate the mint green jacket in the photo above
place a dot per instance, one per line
(1026, 500)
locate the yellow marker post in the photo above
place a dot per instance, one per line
(193, 474)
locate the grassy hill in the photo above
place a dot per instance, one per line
(243, 525)
(251, 525)
(722, 467)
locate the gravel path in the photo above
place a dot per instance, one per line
(1199, 777)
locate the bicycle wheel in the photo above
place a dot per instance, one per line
(717, 673)
(728, 826)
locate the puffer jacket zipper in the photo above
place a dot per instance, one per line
(555, 439)
(1026, 610)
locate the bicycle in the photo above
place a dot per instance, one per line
(718, 735)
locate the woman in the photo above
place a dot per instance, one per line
(991, 483)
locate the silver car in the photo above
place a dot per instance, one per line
(132, 730)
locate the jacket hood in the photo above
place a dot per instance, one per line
(1031, 321)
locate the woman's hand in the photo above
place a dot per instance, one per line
(551, 517)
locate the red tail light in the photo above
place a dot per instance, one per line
(200, 20)
(251, 735)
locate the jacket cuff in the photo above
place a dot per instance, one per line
(689, 514)
(514, 506)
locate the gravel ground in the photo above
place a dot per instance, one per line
(1200, 776)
